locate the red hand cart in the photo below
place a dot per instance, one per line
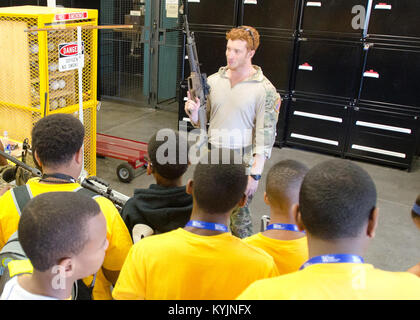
(131, 151)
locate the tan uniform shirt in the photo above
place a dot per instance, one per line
(243, 115)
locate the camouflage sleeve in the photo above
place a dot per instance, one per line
(266, 122)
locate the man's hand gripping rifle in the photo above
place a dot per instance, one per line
(197, 81)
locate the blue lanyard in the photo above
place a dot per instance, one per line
(207, 225)
(333, 258)
(283, 226)
(416, 209)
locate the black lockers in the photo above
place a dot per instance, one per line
(328, 68)
(389, 89)
(332, 19)
(394, 19)
(275, 57)
(212, 13)
(320, 125)
(388, 136)
(326, 77)
(349, 86)
(266, 15)
(391, 75)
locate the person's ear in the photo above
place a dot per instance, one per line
(37, 160)
(266, 200)
(78, 157)
(372, 223)
(251, 53)
(298, 217)
(189, 187)
(65, 267)
(243, 201)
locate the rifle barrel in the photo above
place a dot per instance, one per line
(19, 163)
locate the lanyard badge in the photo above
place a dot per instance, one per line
(283, 226)
(207, 225)
(333, 258)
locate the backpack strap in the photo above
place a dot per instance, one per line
(20, 267)
(87, 192)
(21, 196)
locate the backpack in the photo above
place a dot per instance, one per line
(13, 260)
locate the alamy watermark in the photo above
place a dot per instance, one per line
(358, 21)
(193, 146)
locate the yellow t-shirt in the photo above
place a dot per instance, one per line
(117, 234)
(180, 265)
(336, 281)
(288, 255)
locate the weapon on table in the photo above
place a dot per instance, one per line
(197, 81)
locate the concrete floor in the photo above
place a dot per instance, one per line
(396, 246)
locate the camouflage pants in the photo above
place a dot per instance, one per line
(241, 222)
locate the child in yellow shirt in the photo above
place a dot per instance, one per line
(63, 235)
(282, 239)
(202, 260)
(337, 208)
(57, 146)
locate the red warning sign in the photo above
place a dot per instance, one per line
(71, 16)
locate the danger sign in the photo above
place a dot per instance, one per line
(68, 50)
(71, 16)
(68, 56)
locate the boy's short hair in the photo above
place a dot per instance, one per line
(245, 33)
(53, 225)
(57, 137)
(283, 182)
(336, 200)
(218, 187)
(167, 161)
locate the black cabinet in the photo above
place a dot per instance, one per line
(332, 19)
(398, 19)
(391, 76)
(270, 14)
(328, 68)
(212, 13)
(383, 136)
(317, 125)
(275, 57)
(211, 50)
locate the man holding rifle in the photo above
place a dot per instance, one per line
(242, 108)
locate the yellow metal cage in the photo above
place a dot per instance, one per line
(37, 76)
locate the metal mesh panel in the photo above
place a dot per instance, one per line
(63, 86)
(170, 51)
(19, 77)
(33, 82)
(122, 52)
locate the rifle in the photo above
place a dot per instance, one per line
(34, 171)
(103, 188)
(92, 183)
(197, 81)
